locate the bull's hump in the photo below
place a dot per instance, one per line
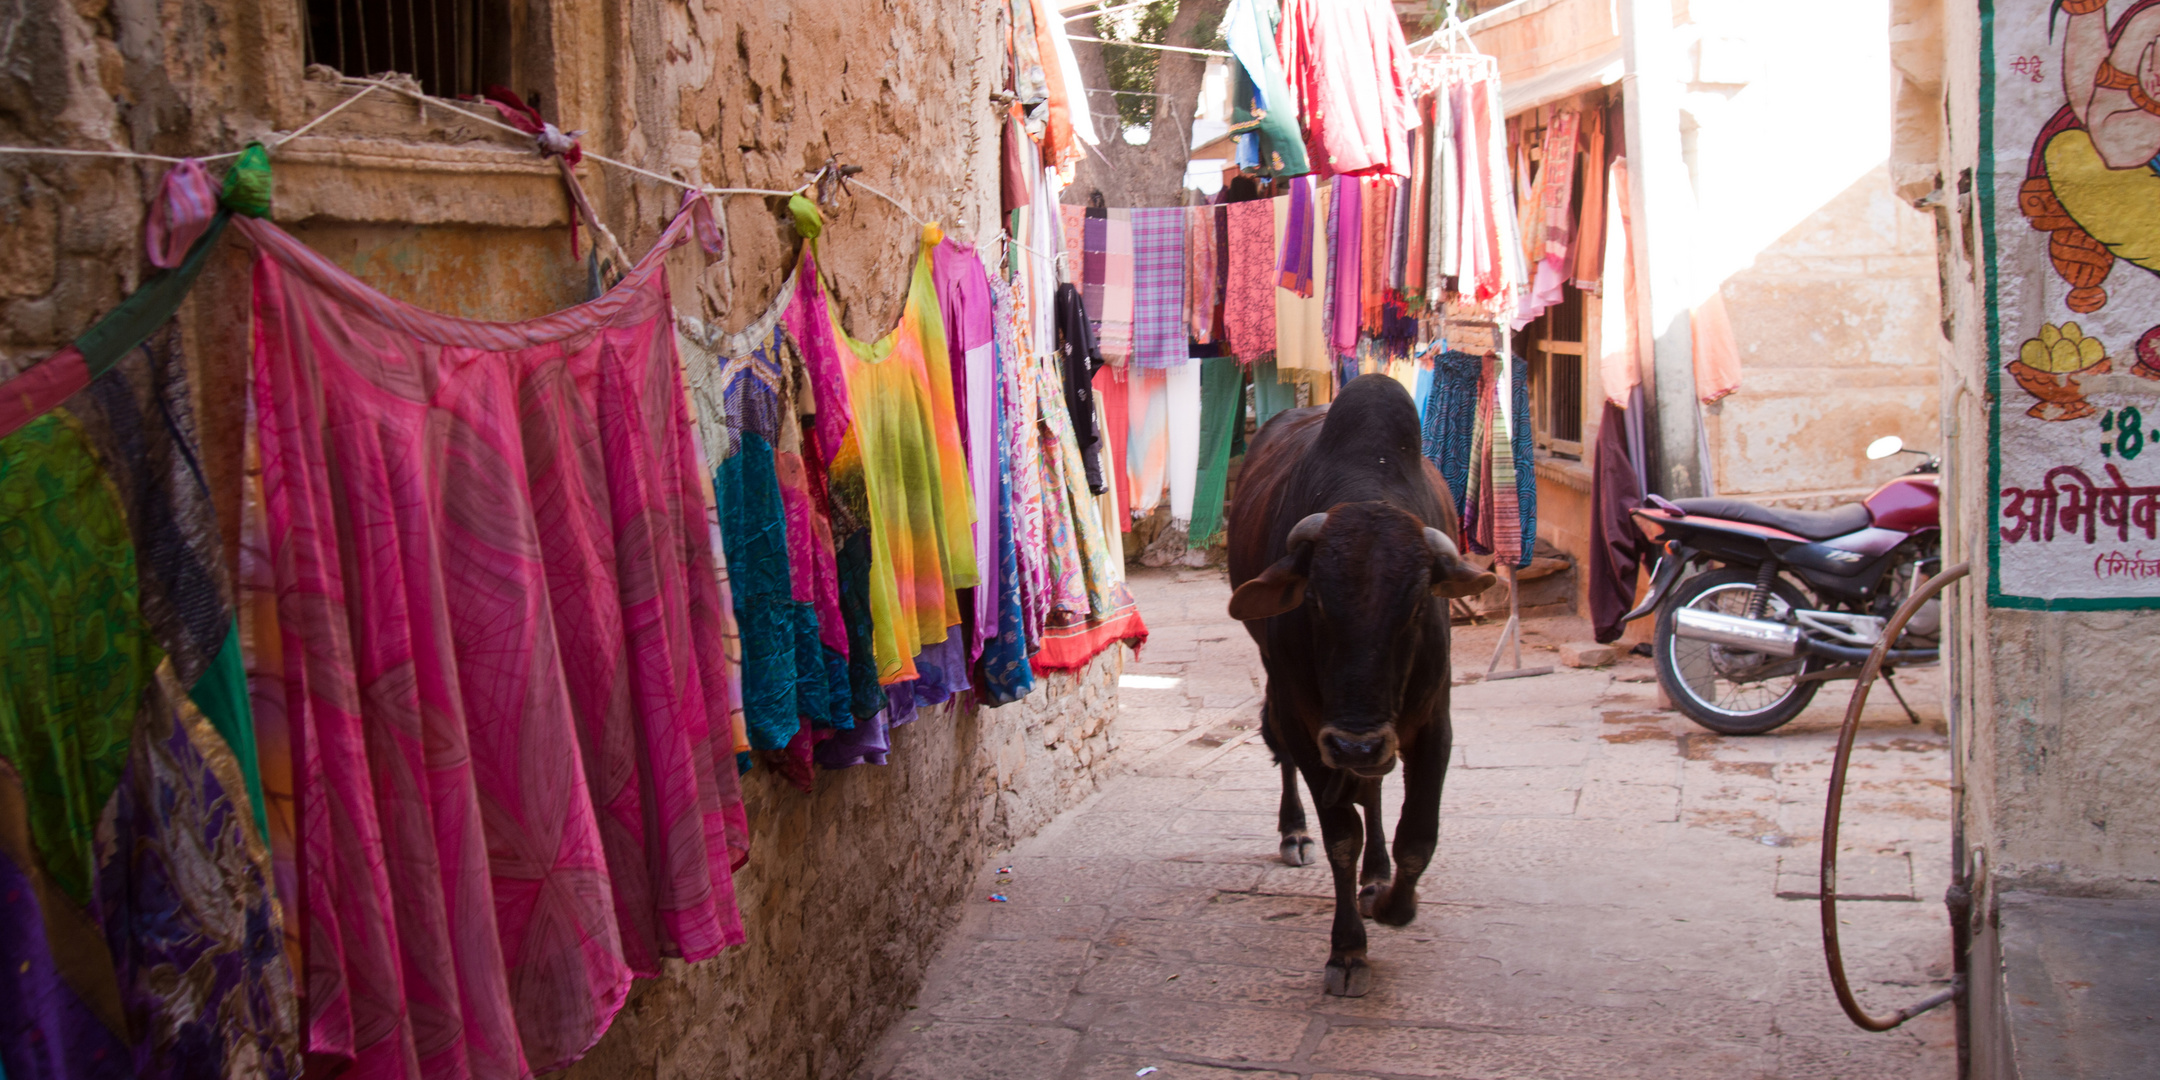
(1372, 419)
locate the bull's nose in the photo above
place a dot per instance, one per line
(1352, 750)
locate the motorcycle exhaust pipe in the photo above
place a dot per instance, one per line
(1735, 631)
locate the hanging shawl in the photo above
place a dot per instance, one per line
(1159, 287)
(495, 590)
(1249, 305)
(1295, 271)
(1114, 331)
(1201, 292)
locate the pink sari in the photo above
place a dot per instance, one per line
(502, 674)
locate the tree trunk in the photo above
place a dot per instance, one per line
(1152, 174)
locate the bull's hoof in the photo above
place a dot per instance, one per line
(1349, 978)
(1369, 896)
(1394, 907)
(1297, 848)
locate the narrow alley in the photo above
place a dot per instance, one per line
(1618, 893)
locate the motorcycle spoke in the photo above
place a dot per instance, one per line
(1735, 681)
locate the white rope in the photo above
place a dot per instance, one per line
(1150, 45)
(368, 86)
(338, 108)
(897, 204)
(1107, 10)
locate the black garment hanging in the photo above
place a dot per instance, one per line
(1076, 348)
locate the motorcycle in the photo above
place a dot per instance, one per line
(1757, 607)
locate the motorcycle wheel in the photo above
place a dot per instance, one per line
(1730, 691)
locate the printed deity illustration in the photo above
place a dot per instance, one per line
(2093, 181)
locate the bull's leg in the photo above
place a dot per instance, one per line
(1377, 873)
(1418, 832)
(1347, 973)
(1297, 845)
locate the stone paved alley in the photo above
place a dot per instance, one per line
(1618, 893)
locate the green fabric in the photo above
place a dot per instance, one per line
(222, 695)
(247, 183)
(1271, 395)
(147, 308)
(808, 221)
(75, 653)
(1222, 409)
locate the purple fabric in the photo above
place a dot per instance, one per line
(1159, 287)
(943, 669)
(47, 1032)
(963, 290)
(1094, 261)
(1295, 265)
(1346, 256)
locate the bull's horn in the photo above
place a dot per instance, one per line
(1307, 530)
(1440, 546)
(1451, 576)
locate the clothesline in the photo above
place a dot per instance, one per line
(1150, 45)
(281, 140)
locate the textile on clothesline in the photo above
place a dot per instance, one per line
(1114, 332)
(433, 492)
(1619, 359)
(1159, 282)
(1222, 413)
(1202, 294)
(905, 450)
(1300, 331)
(1249, 303)
(1349, 73)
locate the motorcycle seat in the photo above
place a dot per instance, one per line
(1813, 524)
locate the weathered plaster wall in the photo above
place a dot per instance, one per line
(847, 889)
(1828, 275)
(2059, 732)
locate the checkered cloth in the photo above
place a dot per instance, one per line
(1159, 287)
(1114, 332)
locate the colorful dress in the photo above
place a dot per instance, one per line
(905, 445)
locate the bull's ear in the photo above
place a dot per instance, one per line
(1278, 589)
(1451, 576)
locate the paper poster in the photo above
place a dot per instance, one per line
(2070, 123)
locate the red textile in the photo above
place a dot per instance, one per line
(41, 388)
(1112, 388)
(503, 676)
(1069, 643)
(1249, 297)
(1348, 68)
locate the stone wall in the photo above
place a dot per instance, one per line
(848, 888)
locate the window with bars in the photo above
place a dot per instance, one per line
(438, 42)
(1557, 349)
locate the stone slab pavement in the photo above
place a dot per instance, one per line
(1618, 893)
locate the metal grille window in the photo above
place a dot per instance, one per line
(435, 41)
(1556, 351)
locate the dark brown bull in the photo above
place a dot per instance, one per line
(1342, 546)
